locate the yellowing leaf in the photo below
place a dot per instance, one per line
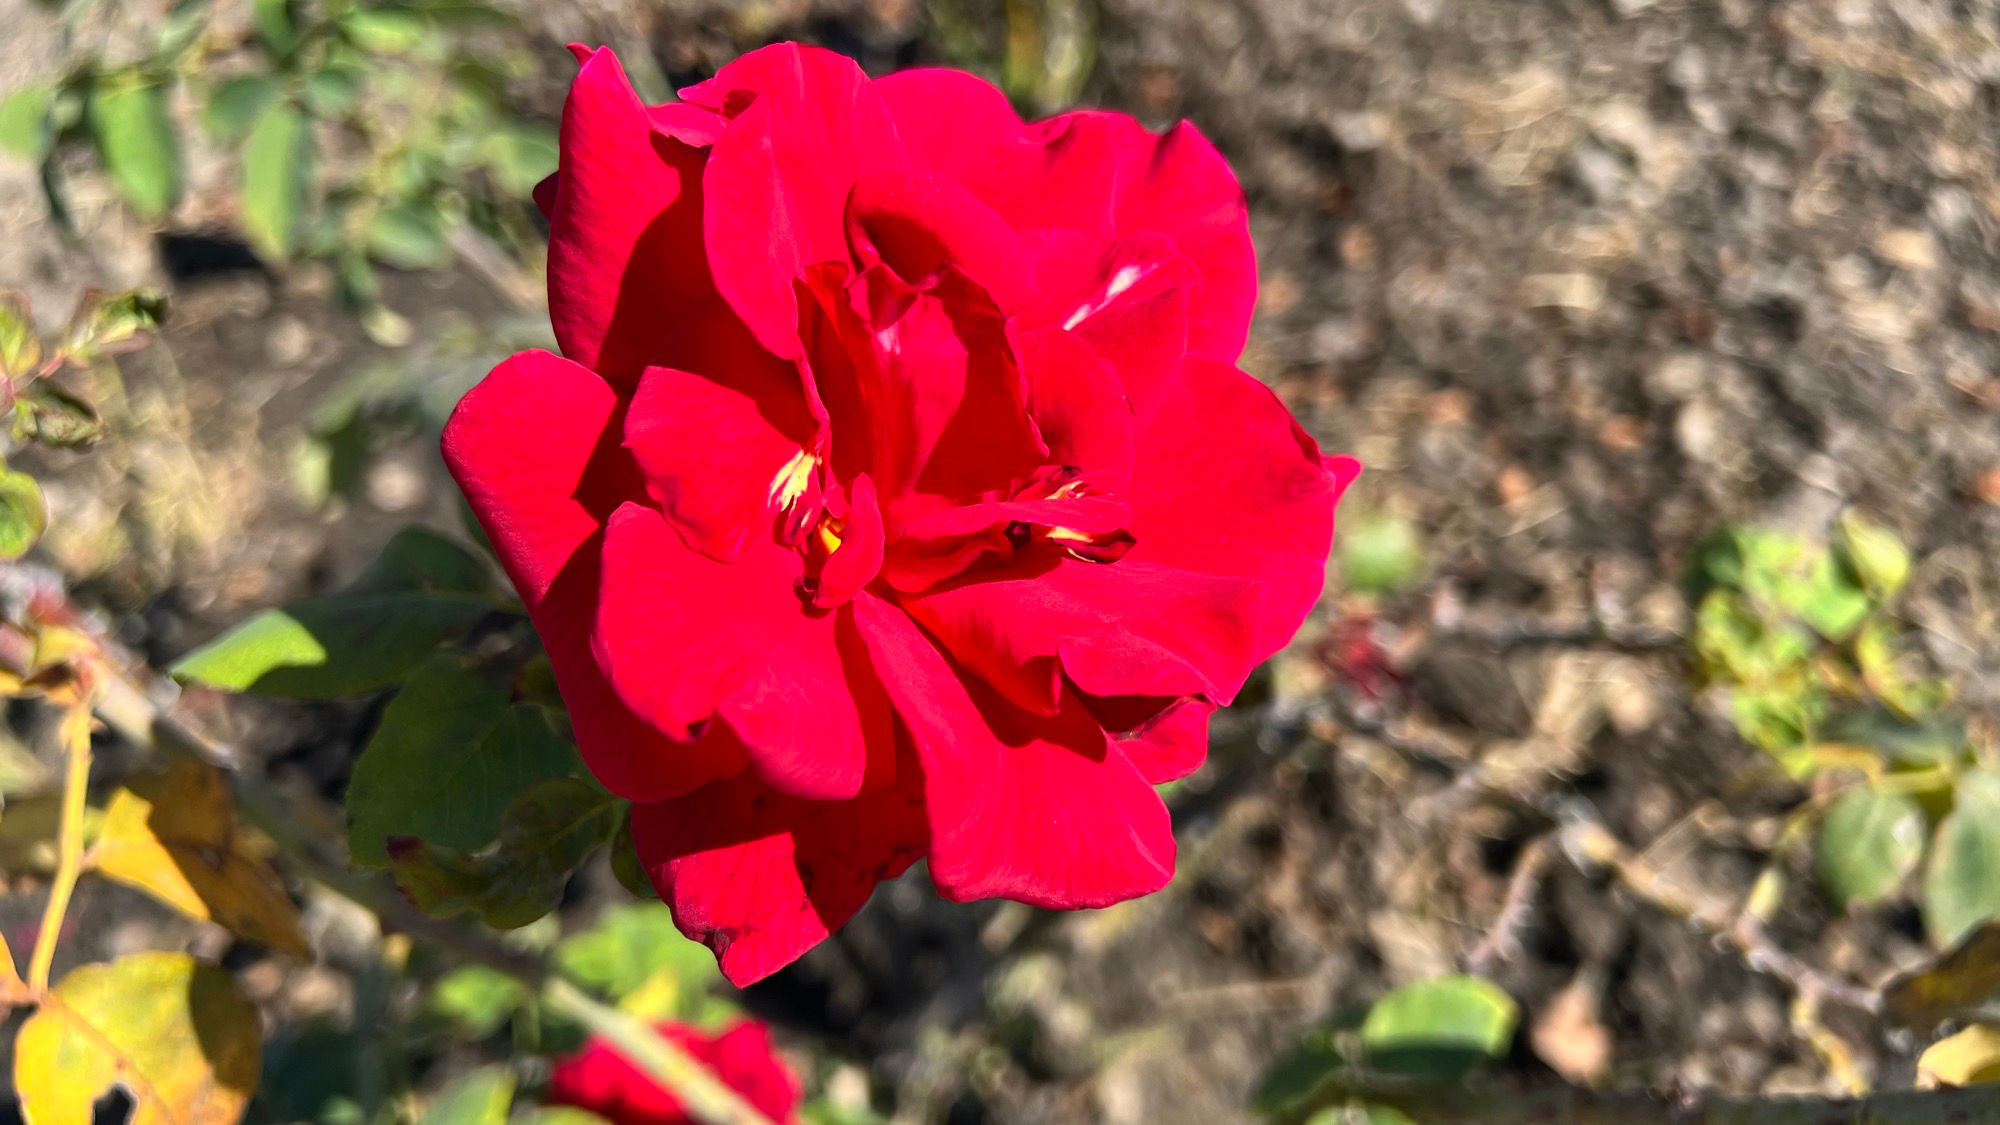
(175, 836)
(1963, 977)
(171, 1031)
(1970, 1058)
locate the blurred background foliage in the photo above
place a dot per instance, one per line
(362, 134)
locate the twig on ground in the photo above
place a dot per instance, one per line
(1502, 942)
(1589, 843)
(1506, 635)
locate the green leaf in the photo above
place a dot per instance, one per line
(545, 835)
(315, 1074)
(236, 105)
(384, 31)
(479, 1098)
(179, 31)
(1872, 552)
(419, 559)
(330, 647)
(449, 731)
(23, 513)
(625, 865)
(1910, 743)
(408, 238)
(276, 179)
(521, 155)
(570, 1115)
(277, 26)
(1826, 600)
(1877, 655)
(1962, 886)
(629, 946)
(1778, 718)
(1439, 1028)
(20, 346)
(137, 142)
(1298, 1072)
(24, 121)
(477, 1000)
(1869, 841)
(1379, 553)
(333, 90)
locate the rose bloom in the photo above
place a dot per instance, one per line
(603, 1081)
(895, 495)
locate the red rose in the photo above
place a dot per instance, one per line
(606, 1083)
(898, 496)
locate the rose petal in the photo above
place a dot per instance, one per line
(1077, 402)
(710, 447)
(1088, 514)
(760, 878)
(1259, 506)
(1127, 628)
(805, 125)
(917, 223)
(1126, 300)
(1167, 739)
(962, 126)
(1096, 172)
(677, 631)
(625, 239)
(1040, 810)
(602, 1080)
(811, 717)
(1179, 186)
(543, 515)
(920, 386)
(855, 562)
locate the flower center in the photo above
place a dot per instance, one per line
(1101, 546)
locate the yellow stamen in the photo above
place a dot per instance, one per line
(792, 480)
(828, 535)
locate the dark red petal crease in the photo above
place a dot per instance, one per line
(1169, 743)
(917, 223)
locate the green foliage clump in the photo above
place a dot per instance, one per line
(1803, 642)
